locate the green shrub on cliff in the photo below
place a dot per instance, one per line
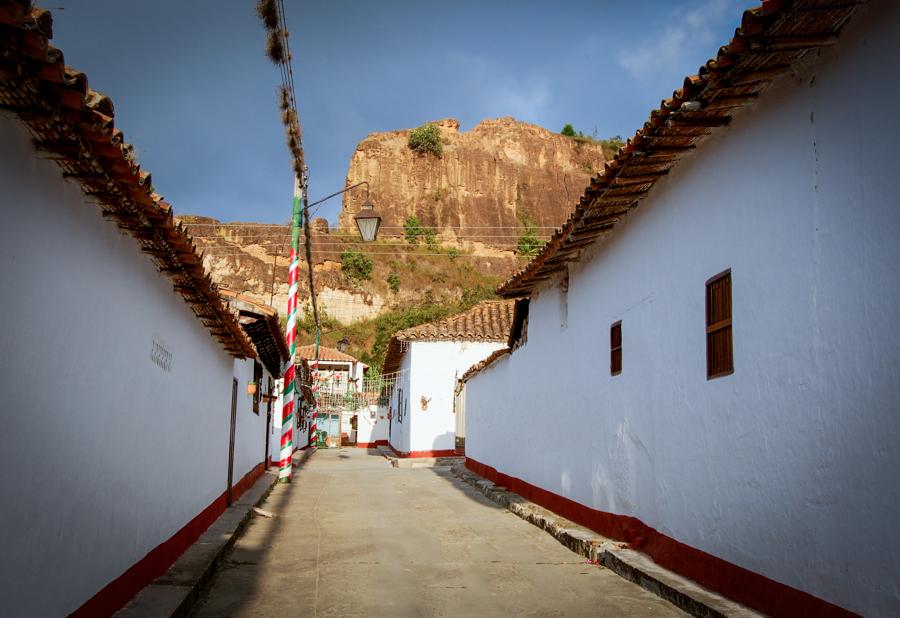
(412, 229)
(426, 138)
(356, 265)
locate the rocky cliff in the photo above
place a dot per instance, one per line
(486, 184)
(478, 196)
(252, 258)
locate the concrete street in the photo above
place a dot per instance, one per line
(355, 537)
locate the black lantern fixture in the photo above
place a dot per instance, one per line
(368, 221)
(342, 344)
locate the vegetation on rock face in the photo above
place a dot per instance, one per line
(611, 146)
(369, 338)
(426, 138)
(393, 281)
(528, 243)
(568, 130)
(356, 265)
(412, 229)
(433, 287)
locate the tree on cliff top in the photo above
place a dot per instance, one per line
(568, 130)
(426, 138)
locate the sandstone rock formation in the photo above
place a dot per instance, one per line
(487, 183)
(252, 258)
(478, 196)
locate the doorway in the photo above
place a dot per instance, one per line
(234, 389)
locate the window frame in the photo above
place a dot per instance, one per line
(722, 325)
(613, 348)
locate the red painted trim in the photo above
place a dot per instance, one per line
(119, 591)
(276, 463)
(374, 444)
(412, 454)
(737, 583)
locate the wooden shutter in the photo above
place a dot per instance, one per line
(719, 353)
(257, 378)
(615, 348)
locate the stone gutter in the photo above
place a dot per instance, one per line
(632, 565)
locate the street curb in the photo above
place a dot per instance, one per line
(175, 593)
(629, 564)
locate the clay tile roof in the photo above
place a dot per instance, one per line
(261, 324)
(325, 354)
(772, 39)
(487, 321)
(74, 126)
(490, 360)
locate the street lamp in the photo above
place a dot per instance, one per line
(367, 220)
(342, 344)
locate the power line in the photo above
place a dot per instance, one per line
(189, 224)
(336, 252)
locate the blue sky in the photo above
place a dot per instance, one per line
(196, 96)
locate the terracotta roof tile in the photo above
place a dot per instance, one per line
(490, 360)
(325, 354)
(73, 125)
(487, 321)
(771, 40)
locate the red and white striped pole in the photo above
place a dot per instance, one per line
(289, 391)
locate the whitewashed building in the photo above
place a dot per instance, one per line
(424, 363)
(340, 380)
(723, 393)
(127, 425)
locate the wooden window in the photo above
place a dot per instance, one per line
(615, 348)
(257, 379)
(719, 354)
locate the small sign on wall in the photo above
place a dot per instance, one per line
(161, 356)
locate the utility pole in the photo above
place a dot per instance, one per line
(289, 392)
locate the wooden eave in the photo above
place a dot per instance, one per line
(772, 38)
(75, 126)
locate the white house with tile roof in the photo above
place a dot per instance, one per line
(424, 362)
(726, 299)
(128, 426)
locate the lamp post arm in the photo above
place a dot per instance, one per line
(328, 197)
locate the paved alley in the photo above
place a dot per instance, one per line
(354, 536)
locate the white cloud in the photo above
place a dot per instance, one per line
(690, 37)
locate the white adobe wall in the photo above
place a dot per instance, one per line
(250, 427)
(435, 367)
(398, 432)
(370, 429)
(105, 455)
(788, 467)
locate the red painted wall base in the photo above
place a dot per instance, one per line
(409, 454)
(122, 589)
(730, 580)
(374, 444)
